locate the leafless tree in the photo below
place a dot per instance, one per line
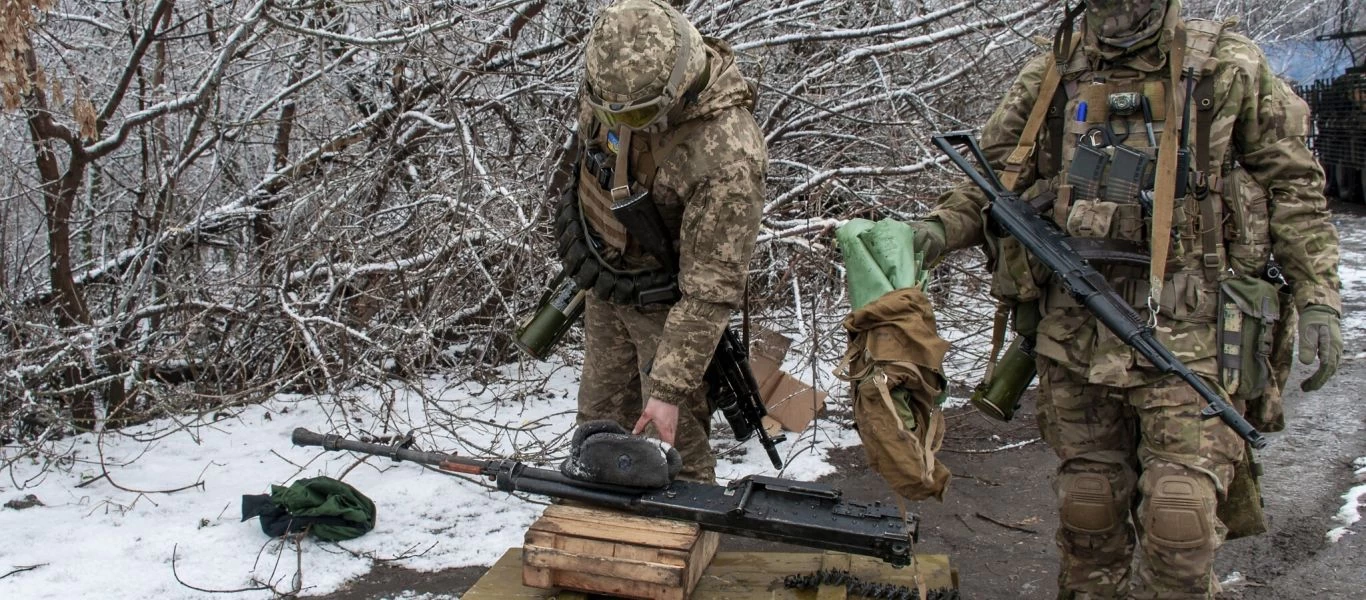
(214, 201)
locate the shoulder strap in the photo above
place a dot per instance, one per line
(1029, 136)
(1164, 196)
(1202, 38)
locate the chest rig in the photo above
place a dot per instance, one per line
(1092, 138)
(1108, 128)
(614, 177)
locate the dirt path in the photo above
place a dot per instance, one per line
(998, 519)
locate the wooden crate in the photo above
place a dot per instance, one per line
(614, 553)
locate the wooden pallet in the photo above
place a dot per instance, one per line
(740, 576)
(609, 552)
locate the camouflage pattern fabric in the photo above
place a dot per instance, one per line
(632, 49)
(1118, 442)
(705, 171)
(618, 344)
(708, 172)
(1101, 394)
(1124, 23)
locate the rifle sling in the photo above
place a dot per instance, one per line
(1164, 196)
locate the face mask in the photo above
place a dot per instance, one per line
(1125, 23)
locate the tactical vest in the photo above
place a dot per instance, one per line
(1097, 156)
(594, 247)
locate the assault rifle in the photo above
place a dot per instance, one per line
(1009, 215)
(732, 389)
(767, 508)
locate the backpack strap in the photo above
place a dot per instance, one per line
(1211, 236)
(1202, 38)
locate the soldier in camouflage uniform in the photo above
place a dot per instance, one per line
(1140, 469)
(673, 109)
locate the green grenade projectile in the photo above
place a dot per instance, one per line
(999, 396)
(559, 307)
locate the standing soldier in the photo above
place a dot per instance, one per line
(666, 130)
(1078, 135)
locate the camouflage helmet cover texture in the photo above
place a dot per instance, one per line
(1126, 23)
(642, 50)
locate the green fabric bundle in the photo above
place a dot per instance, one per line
(878, 258)
(329, 509)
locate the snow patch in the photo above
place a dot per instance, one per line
(1350, 512)
(116, 536)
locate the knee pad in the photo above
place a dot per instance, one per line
(1179, 511)
(1088, 503)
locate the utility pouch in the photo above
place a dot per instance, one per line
(1087, 171)
(1267, 413)
(1130, 173)
(1248, 311)
(1241, 508)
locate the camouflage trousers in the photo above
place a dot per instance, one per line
(1140, 471)
(619, 345)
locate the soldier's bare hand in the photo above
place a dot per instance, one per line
(663, 415)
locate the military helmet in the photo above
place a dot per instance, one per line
(642, 56)
(1125, 23)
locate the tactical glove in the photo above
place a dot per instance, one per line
(1320, 336)
(603, 452)
(929, 238)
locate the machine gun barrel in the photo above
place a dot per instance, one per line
(1049, 244)
(768, 508)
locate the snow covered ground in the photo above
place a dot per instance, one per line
(121, 535)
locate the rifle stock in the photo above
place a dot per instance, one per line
(780, 510)
(1047, 242)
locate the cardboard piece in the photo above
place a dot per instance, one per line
(790, 402)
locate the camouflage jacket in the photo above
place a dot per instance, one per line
(706, 174)
(1269, 186)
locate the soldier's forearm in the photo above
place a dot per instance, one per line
(685, 348)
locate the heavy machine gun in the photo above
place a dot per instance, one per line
(767, 508)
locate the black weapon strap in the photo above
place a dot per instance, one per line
(744, 320)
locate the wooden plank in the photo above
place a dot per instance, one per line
(620, 527)
(607, 566)
(832, 592)
(608, 586)
(731, 576)
(617, 518)
(701, 558)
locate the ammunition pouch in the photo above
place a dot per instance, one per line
(1255, 346)
(581, 255)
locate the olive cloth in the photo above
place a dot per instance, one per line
(323, 506)
(895, 362)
